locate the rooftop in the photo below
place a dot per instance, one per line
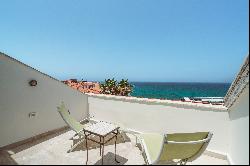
(32, 131)
(83, 86)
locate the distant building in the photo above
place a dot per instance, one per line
(83, 86)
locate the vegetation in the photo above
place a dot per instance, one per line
(113, 87)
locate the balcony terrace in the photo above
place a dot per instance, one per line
(32, 131)
(52, 149)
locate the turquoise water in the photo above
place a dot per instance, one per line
(177, 91)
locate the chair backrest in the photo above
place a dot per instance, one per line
(69, 120)
(187, 146)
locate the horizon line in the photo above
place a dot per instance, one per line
(157, 81)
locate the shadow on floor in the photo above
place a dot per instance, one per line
(7, 151)
(6, 159)
(92, 145)
(109, 159)
(15, 148)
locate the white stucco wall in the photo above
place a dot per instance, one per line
(18, 99)
(164, 118)
(239, 129)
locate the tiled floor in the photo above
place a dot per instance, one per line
(53, 150)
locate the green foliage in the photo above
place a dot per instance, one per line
(113, 87)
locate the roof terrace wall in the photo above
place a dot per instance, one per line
(158, 116)
(18, 99)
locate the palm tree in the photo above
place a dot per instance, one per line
(110, 86)
(124, 87)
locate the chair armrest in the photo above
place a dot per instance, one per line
(188, 142)
(206, 140)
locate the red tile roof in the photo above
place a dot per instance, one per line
(83, 86)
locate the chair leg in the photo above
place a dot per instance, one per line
(73, 147)
(136, 141)
(183, 162)
(75, 136)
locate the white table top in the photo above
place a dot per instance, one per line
(101, 128)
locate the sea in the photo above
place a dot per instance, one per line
(176, 91)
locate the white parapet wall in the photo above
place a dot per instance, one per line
(237, 101)
(18, 99)
(239, 129)
(153, 115)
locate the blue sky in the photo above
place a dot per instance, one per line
(142, 40)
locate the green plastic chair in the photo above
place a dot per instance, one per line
(73, 124)
(166, 149)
